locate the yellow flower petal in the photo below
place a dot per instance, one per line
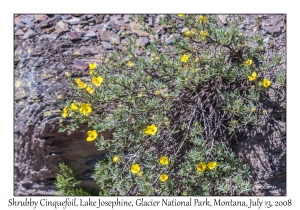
(97, 80)
(135, 168)
(85, 109)
(163, 160)
(74, 107)
(92, 66)
(92, 135)
(115, 159)
(201, 167)
(163, 177)
(184, 58)
(266, 83)
(150, 130)
(211, 165)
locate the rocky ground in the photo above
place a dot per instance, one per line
(47, 46)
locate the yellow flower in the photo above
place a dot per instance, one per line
(202, 19)
(181, 15)
(150, 130)
(201, 167)
(74, 107)
(157, 92)
(203, 35)
(247, 62)
(65, 114)
(80, 84)
(266, 83)
(115, 159)
(252, 77)
(90, 90)
(85, 109)
(93, 66)
(92, 135)
(163, 160)
(211, 165)
(135, 168)
(130, 64)
(141, 173)
(91, 71)
(184, 58)
(59, 97)
(187, 33)
(97, 80)
(140, 95)
(163, 177)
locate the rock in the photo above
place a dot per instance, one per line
(28, 34)
(223, 18)
(51, 21)
(74, 36)
(150, 21)
(74, 21)
(171, 38)
(266, 40)
(241, 26)
(99, 19)
(136, 28)
(49, 30)
(141, 41)
(78, 64)
(126, 18)
(40, 18)
(38, 29)
(54, 35)
(90, 33)
(114, 38)
(104, 35)
(63, 26)
(107, 45)
(44, 24)
(17, 19)
(83, 22)
(272, 29)
(19, 32)
(26, 19)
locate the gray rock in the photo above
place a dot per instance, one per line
(26, 19)
(74, 36)
(266, 40)
(241, 26)
(272, 29)
(171, 39)
(99, 19)
(19, 32)
(63, 26)
(90, 33)
(39, 18)
(78, 64)
(38, 29)
(136, 28)
(114, 38)
(104, 35)
(106, 45)
(223, 18)
(74, 21)
(141, 41)
(28, 34)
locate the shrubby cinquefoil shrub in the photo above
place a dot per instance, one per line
(174, 109)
